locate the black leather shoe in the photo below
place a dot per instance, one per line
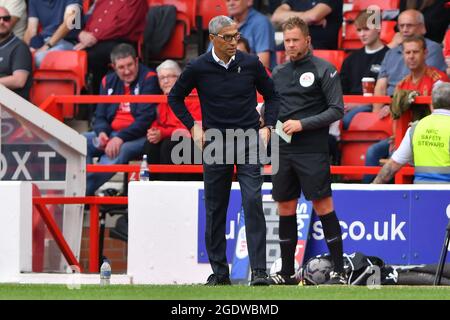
(259, 278)
(215, 280)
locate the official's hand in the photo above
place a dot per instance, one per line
(198, 135)
(154, 135)
(292, 126)
(113, 147)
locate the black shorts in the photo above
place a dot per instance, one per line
(302, 172)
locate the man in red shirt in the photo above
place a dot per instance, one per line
(111, 22)
(422, 77)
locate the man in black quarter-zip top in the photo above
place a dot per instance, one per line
(226, 81)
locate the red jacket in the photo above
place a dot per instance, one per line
(167, 122)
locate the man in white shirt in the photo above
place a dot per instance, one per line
(433, 146)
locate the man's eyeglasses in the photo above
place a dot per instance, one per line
(407, 25)
(229, 37)
(168, 77)
(5, 18)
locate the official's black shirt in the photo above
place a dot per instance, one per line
(310, 91)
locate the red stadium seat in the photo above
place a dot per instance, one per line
(447, 43)
(365, 129)
(281, 56)
(61, 72)
(387, 31)
(382, 4)
(348, 38)
(335, 57)
(86, 5)
(175, 48)
(208, 9)
(187, 7)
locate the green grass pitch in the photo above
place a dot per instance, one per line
(237, 292)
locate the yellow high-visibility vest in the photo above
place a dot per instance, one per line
(431, 149)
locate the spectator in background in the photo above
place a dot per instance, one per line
(159, 145)
(446, 50)
(256, 28)
(324, 18)
(119, 129)
(18, 11)
(60, 22)
(393, 67)
(364, 62)
(15, 58)
(243, 45)
(430, 159)
(111, 23)
(437, 17)
(421, 80)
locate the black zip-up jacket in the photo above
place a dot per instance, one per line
(310, 91)
(227, 96)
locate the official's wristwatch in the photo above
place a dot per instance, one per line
(48, 44)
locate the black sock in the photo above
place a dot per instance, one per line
(288, 242)
(333, 237)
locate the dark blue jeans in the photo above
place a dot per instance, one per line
(217, 180)
(348, 117)
(377, 151)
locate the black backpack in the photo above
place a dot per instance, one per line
(359, 269)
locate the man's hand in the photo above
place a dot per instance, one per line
(396, 40)
(113, 147)
(292, 126)
(198, 135)
(102, 140)
(79, 46)
(154, 135)
(264, 134)
(87, 39)
(384, 112)
(43, 48)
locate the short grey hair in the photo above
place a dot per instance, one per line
(121, 51)
(169, 64)
(419, 15)
(440, 95)
(218, 23)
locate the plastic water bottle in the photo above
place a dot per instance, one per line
(144, 174)
(105, 273)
